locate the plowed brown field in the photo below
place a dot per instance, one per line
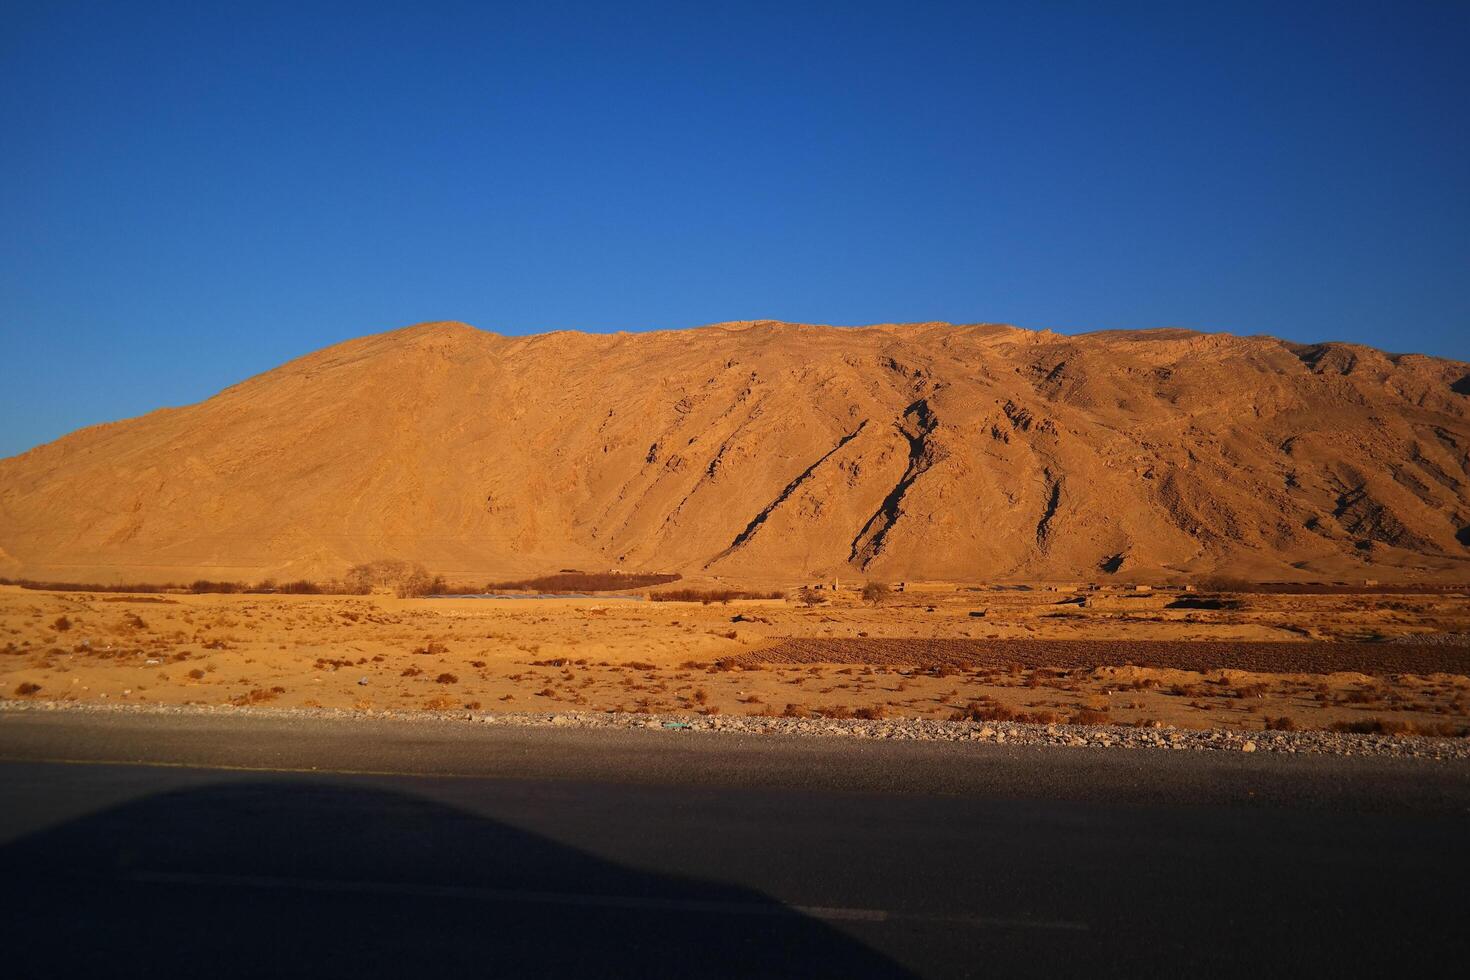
(1381, 659)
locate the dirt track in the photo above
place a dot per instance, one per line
(1286, 658)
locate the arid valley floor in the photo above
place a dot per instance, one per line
(1373, 663)
(598, 773)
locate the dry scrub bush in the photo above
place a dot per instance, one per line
(199, 587)
(876, 593)
(258, 695)
(406, 579)
(1221, 583)
(362, 579)
(708, 596)
(977, 711)
(570, 581)
(32, 584)
(1394, 726)
(418, 583)
(205, 586)
(808, 596)
(25, 689)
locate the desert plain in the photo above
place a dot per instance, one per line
(1142, 528)
(1250, 661)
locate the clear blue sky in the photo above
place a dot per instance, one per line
(191, 193)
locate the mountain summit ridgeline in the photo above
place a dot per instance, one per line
(764, 450)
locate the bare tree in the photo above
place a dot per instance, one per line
(808, 596)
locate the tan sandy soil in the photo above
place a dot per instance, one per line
(617, 654)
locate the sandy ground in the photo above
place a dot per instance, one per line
(376, 652)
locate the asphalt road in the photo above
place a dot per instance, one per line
(187, 845)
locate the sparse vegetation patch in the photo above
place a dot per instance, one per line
(708, 596)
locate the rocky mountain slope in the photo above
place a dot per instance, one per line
(771, 451)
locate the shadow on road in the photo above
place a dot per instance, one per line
(295, 877)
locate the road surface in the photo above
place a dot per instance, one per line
(233, 846)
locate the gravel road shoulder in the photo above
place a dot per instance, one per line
(1092, 737)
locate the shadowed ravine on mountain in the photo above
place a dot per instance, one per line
(917, 424)
(760, 518)
(743, 451)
